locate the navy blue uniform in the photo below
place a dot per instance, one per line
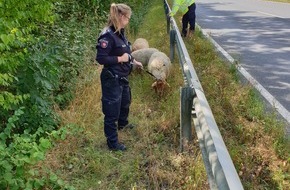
(116, 93)
(189, 17)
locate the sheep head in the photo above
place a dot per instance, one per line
(160, 86)
(159, 66)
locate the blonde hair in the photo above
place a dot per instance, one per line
(115, 11)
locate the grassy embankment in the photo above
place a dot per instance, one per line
(153, 159)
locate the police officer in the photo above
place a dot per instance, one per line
(187, 8)
(114, 53)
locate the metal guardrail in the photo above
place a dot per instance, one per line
(195, 109)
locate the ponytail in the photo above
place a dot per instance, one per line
(116, 10)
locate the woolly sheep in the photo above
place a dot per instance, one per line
(159, 66)
(143, 55)
(140, 43)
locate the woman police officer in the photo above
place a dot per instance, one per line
(114, 53)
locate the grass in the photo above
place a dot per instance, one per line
(153, 160)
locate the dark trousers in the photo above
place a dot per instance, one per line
(189, 18)
(116, 100)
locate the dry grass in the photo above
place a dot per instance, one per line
(153, 160)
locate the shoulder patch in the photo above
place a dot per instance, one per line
(104, 43)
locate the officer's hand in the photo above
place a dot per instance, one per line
(138, 64)
(124, 58)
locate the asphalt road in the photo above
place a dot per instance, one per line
(256, 33)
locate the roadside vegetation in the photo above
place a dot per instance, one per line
(69, 151)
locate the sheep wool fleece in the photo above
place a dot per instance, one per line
(116, 93)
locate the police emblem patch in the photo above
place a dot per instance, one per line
(104, 43)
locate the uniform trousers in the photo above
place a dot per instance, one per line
(116, 100)
(189, 18)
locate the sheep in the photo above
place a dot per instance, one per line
(143, 55)
(159, 66)
(140, 43)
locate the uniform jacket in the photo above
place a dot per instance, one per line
(111, 45)
(181, 5)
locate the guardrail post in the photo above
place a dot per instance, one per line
(172, 44)
(167, 16)
(186, 102)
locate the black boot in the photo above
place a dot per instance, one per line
(116, 146)
(184, 33)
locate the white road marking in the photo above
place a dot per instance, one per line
(270, 14)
